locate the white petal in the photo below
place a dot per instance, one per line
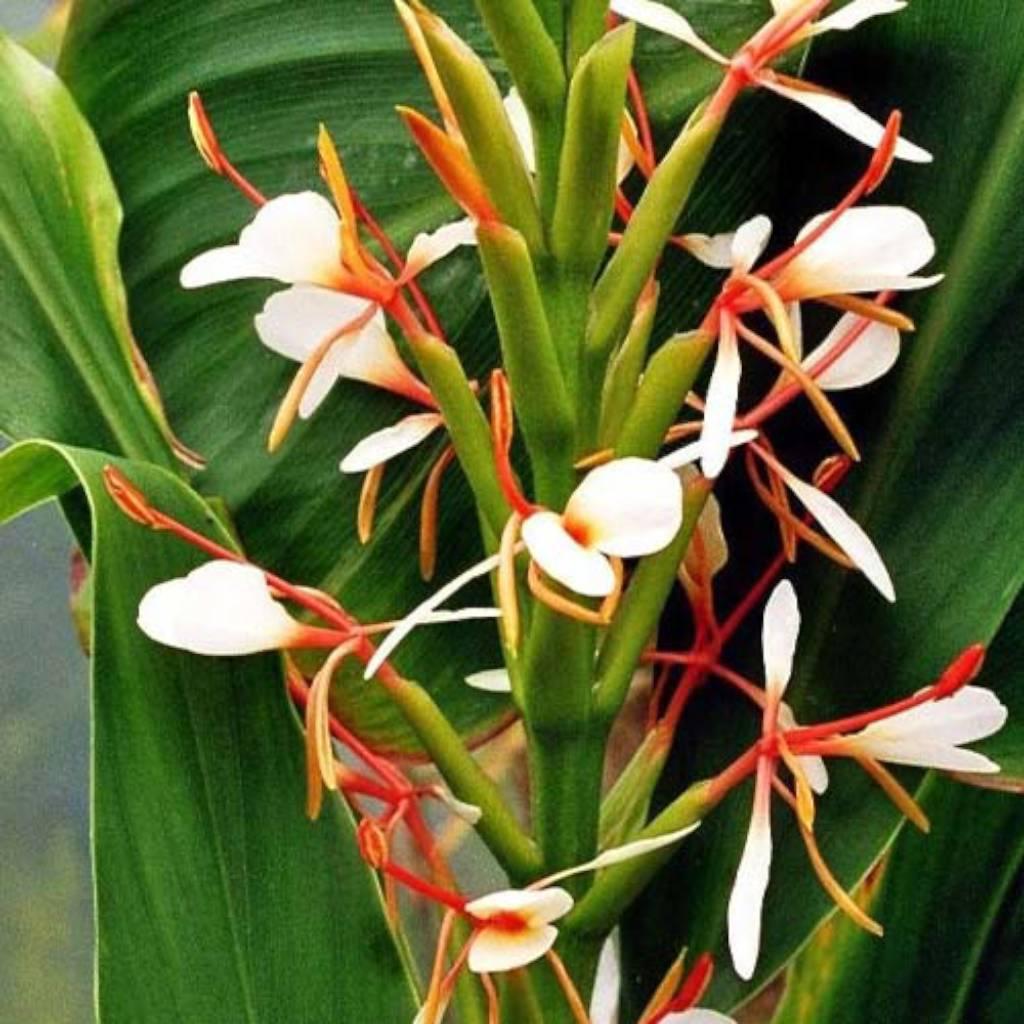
(720, 402)
(697, 1016)
(796, 323)
(295, 322)
(854, 13)
(491, 680)
(813, 765)
(848, 118)
(694, 451)
(712, 250)
(664, 19)
(535, 906)
(469, 813)
(747, 898)
(779, 631)
(845, 532)
(293, 238)
(928, 736)
(619, 854)
(749, 242)
(495, 950)
(422, 612)
(604, 1004)
(519, 119)
(870, 357)
(582, 569)
(221, 608)
(430, 247)
(382, 445)
(628, 507)
(869, 248)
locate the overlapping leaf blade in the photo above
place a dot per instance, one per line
(216, 899)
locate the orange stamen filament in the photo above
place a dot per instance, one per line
(213, 155)
(572, 995)
(429, 513)
(895, 791)
(508, 591)
(569, 608)
(337, 182)
(869, 310)
(367, 511)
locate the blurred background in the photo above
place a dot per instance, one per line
(46, 944)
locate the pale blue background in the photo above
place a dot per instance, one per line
(46, 941)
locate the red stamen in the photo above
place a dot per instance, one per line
(643, 121)
(436, 893)
(213, 155)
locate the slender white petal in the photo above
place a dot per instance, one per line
(848, 118)
(813, 765)
(720, 403)
(620, 854)
(297, 321)
(422, 612)
(854, 13)
(848, 534)
(929, 736)
(495, 950)
(749, 243)
(293, 238)
(430, 247)
(869, 248)
(221, 608)
(779, 631)
(491, 680)
(694, 451)
(664, 19)
(870, 357)
(519, 119)
(747, 897)
(382, 445)
(628, 507)
(582, 569)
(604, 1003)
(469, 813)
(697, 1016)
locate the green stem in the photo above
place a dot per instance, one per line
(467, 426)
(641, 608)
(586, 26)
(514, 850)
(616, 888)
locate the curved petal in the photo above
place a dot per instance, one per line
(604, 1003)
(929, 735)
(535, 906)
(720, 402)
(628, 507)
(293, 238)
(430, 247)
(491, 680)
(848, 118)
(495, 950)
(664, 19)
(845, 532)
(854, 13)
(221, 608)
(697, 1016)
(582, 569)
(779, 631)
(869, 248)
(712, 250)
(382, 445)
(870, 357)
(749, 242)
(519, 119)
(747, 897)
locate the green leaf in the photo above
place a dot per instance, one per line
(942, 901)
(942, 491)
(65, 340)
(216, 899)
(269, 74)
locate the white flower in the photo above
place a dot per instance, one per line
(871, 356)
(930, 735)
(523, 929)
(697, 1016)
(221, 608)
(835, 109)
(625, 508)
